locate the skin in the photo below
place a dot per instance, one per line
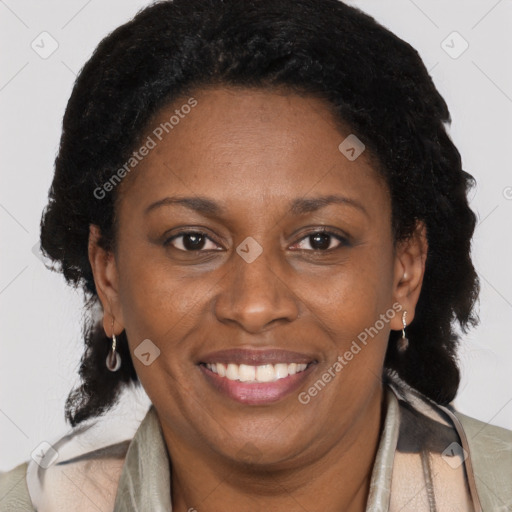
(254, 151)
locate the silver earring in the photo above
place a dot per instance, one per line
(113, 358)
(403, 342)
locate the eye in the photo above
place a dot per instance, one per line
(321, 240)
(191, 241)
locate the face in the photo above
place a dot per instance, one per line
(247, 238)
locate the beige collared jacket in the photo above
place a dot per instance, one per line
(430, 459)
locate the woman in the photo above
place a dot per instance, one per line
(264, 200)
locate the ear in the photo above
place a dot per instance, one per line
(106, 279)
(409, 269)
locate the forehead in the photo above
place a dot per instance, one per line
(249, 145)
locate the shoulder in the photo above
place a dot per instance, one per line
(491, 456)
(77, 471)
(84, 483)
(481, 433)
(14, 495)
(484, 450)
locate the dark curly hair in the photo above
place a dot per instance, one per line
(374, 83)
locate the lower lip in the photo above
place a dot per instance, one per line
(256, 393)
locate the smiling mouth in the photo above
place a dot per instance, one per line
(256, 374)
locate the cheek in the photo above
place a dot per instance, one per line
(156, 300)
(355, 307)
(163, 308)
(359, 290)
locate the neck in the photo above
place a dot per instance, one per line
(337, 480)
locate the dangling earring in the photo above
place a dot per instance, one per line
(113, 357)
(403, 342)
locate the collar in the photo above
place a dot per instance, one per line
(145, 482)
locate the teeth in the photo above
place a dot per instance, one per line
(232, 372)
(246, 373)
(281, 370)
(221, 370)
(262, 373)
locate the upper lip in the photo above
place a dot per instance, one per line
(256, 357)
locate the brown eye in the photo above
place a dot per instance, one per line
(191, 241)
(321, 241)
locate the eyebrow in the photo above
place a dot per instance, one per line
(302, 205)
(199, 204)
(299, 206)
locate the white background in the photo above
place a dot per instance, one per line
(41, 317)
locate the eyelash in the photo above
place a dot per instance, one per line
(340, 238)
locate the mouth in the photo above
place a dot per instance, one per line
(256, 377)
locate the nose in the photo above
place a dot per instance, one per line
(255, 295)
